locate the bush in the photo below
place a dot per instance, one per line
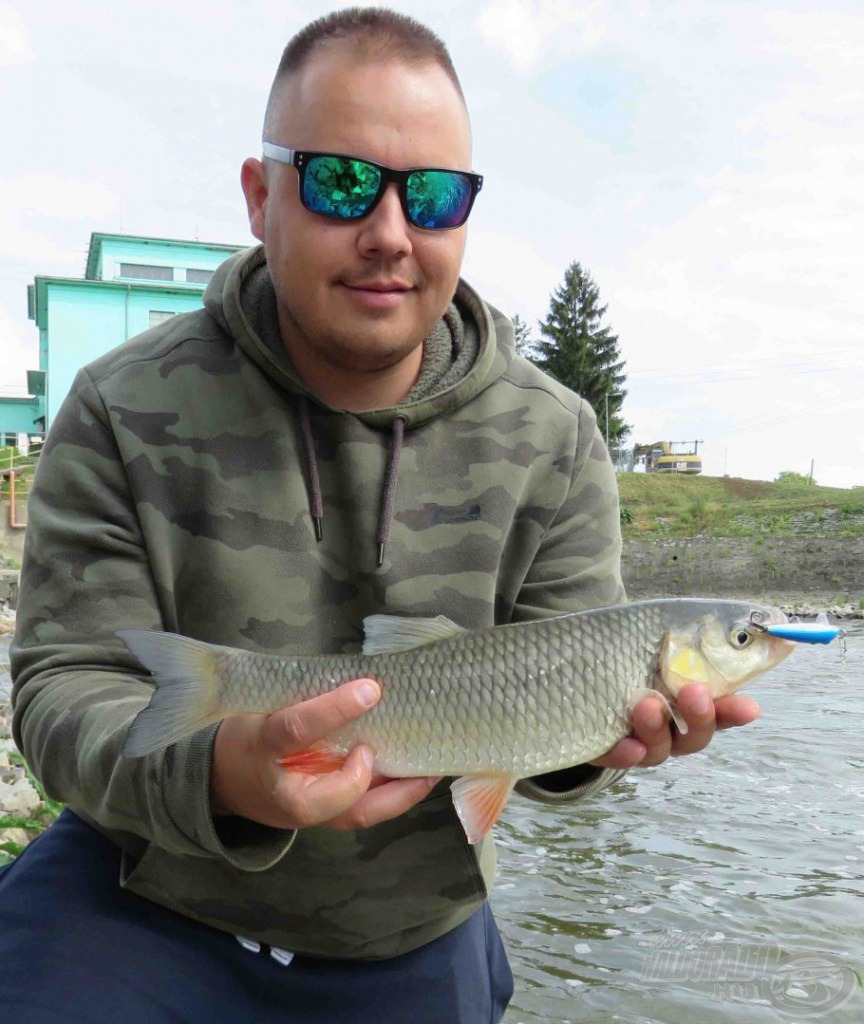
(788, 476)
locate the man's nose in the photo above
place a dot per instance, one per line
(386, 230)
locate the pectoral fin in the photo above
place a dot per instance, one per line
(479, 801)
(671, 709)
(317, 759)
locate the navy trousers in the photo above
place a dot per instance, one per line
(76, 948)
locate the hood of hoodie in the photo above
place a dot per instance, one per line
(241, 299)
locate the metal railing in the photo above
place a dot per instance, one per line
(16, 468)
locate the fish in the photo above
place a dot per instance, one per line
(486, 706)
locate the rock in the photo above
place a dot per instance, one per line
(19, 799)
(14, 835)
(17, 796)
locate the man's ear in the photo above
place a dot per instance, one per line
(253, 181)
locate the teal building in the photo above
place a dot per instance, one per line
(130, 283)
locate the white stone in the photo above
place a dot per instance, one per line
(19, 798)
(14, 835)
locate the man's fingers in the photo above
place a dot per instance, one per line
(733, 711)
(297, 727)
(384, 802)
(626, 753)
(696, 707)
(651, 727)
(654, 739)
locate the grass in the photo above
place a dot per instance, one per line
(23, 466)
(681, 506)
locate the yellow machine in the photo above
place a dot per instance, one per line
(668, 457)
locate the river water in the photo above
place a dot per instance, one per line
(723, 886)
(682, 896)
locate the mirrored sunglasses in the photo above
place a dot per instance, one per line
(347, 188)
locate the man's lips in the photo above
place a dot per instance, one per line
(378, 286)
(377, 294)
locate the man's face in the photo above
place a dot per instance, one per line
(360, 295)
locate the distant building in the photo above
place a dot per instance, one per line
(18, 418)
(130, 283)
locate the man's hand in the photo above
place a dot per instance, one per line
(246, 778)
(654, 737)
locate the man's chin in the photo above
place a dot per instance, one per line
(368, 352)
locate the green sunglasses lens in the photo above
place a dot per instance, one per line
(438, 199)
(345, 188)
(340, 187)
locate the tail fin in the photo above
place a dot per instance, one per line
(187, 689)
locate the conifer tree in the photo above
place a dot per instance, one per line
(522, 337)
(581, 353)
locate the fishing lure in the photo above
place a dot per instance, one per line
(819, 632)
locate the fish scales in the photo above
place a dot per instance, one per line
(530, 698)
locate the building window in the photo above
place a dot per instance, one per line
(145, 272)
(198, 276)
(159, 316)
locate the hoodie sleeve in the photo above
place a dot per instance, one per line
(86, 572)
(578, 566)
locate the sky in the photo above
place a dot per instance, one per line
(703, 161)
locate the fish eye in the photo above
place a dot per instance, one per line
(741, 637)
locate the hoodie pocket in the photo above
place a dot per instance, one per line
(374, 893)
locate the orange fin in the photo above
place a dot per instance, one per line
(479, 801)
(315, 760)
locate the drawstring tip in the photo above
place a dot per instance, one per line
(319, 530)
(380, 555)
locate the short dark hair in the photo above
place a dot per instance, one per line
(375, 33)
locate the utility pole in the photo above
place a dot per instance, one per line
(812, 463)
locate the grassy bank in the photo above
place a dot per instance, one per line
(681, 506)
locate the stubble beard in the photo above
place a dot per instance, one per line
(343, 354)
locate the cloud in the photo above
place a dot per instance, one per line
(14, 39)
(39, 212)
(769, 259)
(528, 30)
(19, 352)
(51, 196)
(508, 271)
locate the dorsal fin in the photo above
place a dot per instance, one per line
(386, 634)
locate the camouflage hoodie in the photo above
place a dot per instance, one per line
(179, 490)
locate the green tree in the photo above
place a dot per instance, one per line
(581, 353)
(522, 336)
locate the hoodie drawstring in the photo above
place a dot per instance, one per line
(388, 494)
(316, 505)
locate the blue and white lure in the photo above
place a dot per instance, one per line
(819, 632)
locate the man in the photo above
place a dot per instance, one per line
(344, 430)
